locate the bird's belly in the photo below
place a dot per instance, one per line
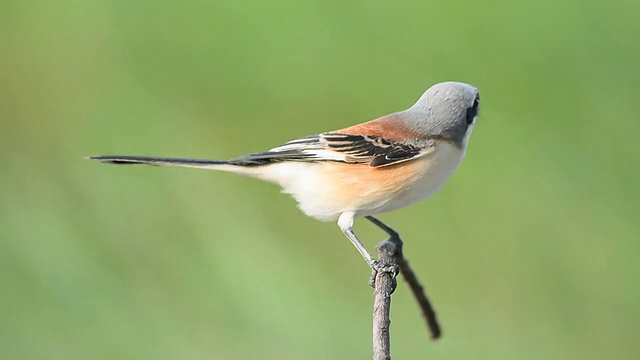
(325, 190)
(420, 189)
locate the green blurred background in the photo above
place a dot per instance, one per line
(530, 252)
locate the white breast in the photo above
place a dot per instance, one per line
(437, 169)
(324, 190)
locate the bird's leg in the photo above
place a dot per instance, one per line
(345, 222)
(394, 237)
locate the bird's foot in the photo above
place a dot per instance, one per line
(378, 267)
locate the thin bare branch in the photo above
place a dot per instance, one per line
(410, 277)
(385, 285)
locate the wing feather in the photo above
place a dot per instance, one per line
(333, 146)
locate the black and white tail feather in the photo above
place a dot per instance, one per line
(354, 149)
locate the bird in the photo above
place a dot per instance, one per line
(363, 170)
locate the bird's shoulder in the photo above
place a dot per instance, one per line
(391, 127)
(380, 142)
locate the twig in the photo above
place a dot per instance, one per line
(385, 285)
(421, 296)
(410, 277)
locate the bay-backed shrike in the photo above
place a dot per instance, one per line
(366, 169)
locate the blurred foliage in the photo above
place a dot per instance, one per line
(530, 252)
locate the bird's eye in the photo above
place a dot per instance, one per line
(472, 112)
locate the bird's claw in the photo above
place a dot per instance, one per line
(378, 267)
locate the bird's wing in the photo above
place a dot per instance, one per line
(334, 146)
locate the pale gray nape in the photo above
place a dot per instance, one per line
(442, 111)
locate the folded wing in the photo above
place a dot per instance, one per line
(357, 149)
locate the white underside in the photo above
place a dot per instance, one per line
(315, 192)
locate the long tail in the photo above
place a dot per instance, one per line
(161, 161)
